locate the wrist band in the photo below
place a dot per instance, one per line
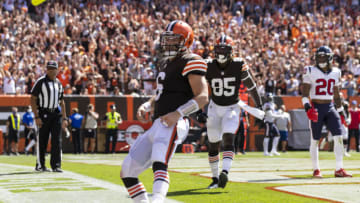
(188, 108)
(305, 100)
(340, 109)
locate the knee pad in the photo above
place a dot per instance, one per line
(214, 149)
(228, 141)
(159, 166)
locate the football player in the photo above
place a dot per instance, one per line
(271, 129)
(322, 83)
(224, 76)
(181, 90)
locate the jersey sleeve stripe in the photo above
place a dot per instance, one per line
(198, 68)
(195, 64)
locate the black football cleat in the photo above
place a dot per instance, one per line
(223, 179)
(214, 183)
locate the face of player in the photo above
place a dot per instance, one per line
(322, 60)
(222, 53)
(171, 44)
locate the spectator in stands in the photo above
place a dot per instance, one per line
(94, 41)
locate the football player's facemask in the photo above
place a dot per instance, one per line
(223, 49)
(177, 37)
(323, 57)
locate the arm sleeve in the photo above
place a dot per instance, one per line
(250, 84)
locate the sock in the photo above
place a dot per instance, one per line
(338, 150)
(214, 165)
(137, 192)
(275, 143)
(266, 144)
(314, 153)
(160, 186)
(32, 143)
(227, 160)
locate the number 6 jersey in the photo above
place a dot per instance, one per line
(322, 83)
(173, 87)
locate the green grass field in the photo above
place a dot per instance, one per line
(188, 175)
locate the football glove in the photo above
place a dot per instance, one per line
(201, 116)
(311, 113)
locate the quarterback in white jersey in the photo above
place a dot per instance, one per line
(321, 83)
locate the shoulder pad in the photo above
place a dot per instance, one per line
(191, 56)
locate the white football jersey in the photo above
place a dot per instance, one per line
(322, 84)
(269, 108)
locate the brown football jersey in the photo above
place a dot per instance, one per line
(173, 87)
(225, 83)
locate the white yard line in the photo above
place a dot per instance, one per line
(22, 184)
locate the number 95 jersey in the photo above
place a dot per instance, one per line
(322, 83)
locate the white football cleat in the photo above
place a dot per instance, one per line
(275, 153)
(267, 154)
(347, 154)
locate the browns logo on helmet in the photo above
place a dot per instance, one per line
(223, 48)
(177, 37)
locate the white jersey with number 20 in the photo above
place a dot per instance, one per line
(322, 84)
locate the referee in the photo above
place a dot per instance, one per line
(49, 109)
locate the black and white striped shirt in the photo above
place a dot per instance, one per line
(48, 92)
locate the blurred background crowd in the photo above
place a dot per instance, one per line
(108, 47)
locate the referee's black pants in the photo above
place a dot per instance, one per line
(113, 134)
(51, 123)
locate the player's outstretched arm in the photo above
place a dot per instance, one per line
(250, 84)
(144, 108)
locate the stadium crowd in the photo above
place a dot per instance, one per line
(109, 47)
